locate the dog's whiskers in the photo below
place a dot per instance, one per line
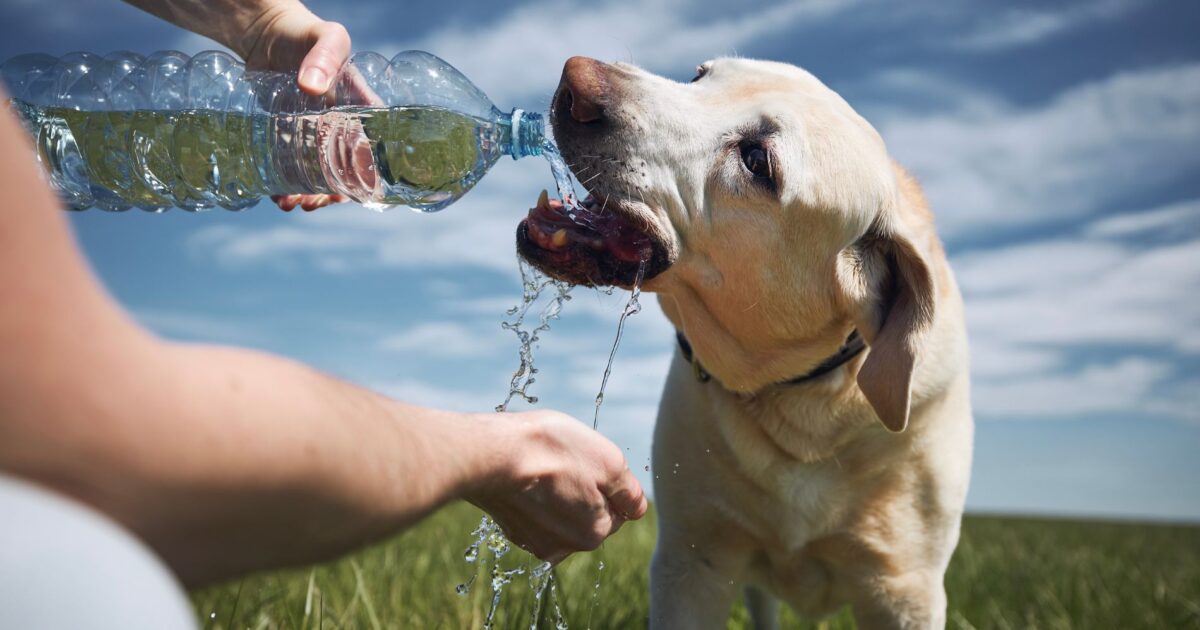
(598, 174)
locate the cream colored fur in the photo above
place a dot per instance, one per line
(799, 491)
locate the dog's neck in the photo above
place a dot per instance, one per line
(748, 365)
(853, 346)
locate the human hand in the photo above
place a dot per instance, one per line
(285, 37)
(560, 486)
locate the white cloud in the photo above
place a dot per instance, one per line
(993, 357)
(655, 34)
(1018, 27)
(1173, 220)
(235, 246)
(1062, 293)
(1032, 307)
(634, 379)
(1120, 387)
(444, 340)
(986, 163)
(418, 392)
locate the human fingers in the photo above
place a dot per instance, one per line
(311, 202)
(354, 89)
(308, 203)
(325, 59)
(287, 203)
(625, 496)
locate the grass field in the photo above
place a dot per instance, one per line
(1007, 573)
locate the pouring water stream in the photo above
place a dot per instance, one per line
(488, 534)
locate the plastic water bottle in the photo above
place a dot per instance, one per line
(124, 130)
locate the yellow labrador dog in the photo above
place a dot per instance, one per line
(814, 439)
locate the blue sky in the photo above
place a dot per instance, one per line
(1058, 146)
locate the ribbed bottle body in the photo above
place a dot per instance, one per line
(167, 130)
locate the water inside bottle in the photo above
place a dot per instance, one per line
(427, 157)
(422, 157)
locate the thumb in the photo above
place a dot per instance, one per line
(325, 59)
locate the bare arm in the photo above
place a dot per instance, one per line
(227, 461)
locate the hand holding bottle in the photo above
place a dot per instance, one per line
(292, 37)
(278, 35)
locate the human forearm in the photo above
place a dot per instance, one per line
(227, 461)
(306, 465)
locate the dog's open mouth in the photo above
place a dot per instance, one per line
(599, 243)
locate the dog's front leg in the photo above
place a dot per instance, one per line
(688, 590)
(912, 601)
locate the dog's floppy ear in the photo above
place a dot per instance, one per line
(894, 326)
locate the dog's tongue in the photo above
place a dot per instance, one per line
(553, 229)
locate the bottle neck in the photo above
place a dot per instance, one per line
(527, 134)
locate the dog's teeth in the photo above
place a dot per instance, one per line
(543, 199)
(559, 239)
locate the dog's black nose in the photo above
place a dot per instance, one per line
(581, 91)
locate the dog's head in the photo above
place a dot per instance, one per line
(768, 213)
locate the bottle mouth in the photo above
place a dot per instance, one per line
(528, 134)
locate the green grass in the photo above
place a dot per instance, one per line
(1007, 573)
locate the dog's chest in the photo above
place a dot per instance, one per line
(792, 448)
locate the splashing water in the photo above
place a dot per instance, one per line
(595, 593)
(533, 283)
(488, 535)
(539, 578)
(632, 307)
(541, 581)
(481, 534)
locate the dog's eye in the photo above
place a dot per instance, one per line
(700, 72)
(757, 160)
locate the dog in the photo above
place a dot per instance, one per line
(813, 442)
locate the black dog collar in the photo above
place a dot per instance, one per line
(854, 344)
